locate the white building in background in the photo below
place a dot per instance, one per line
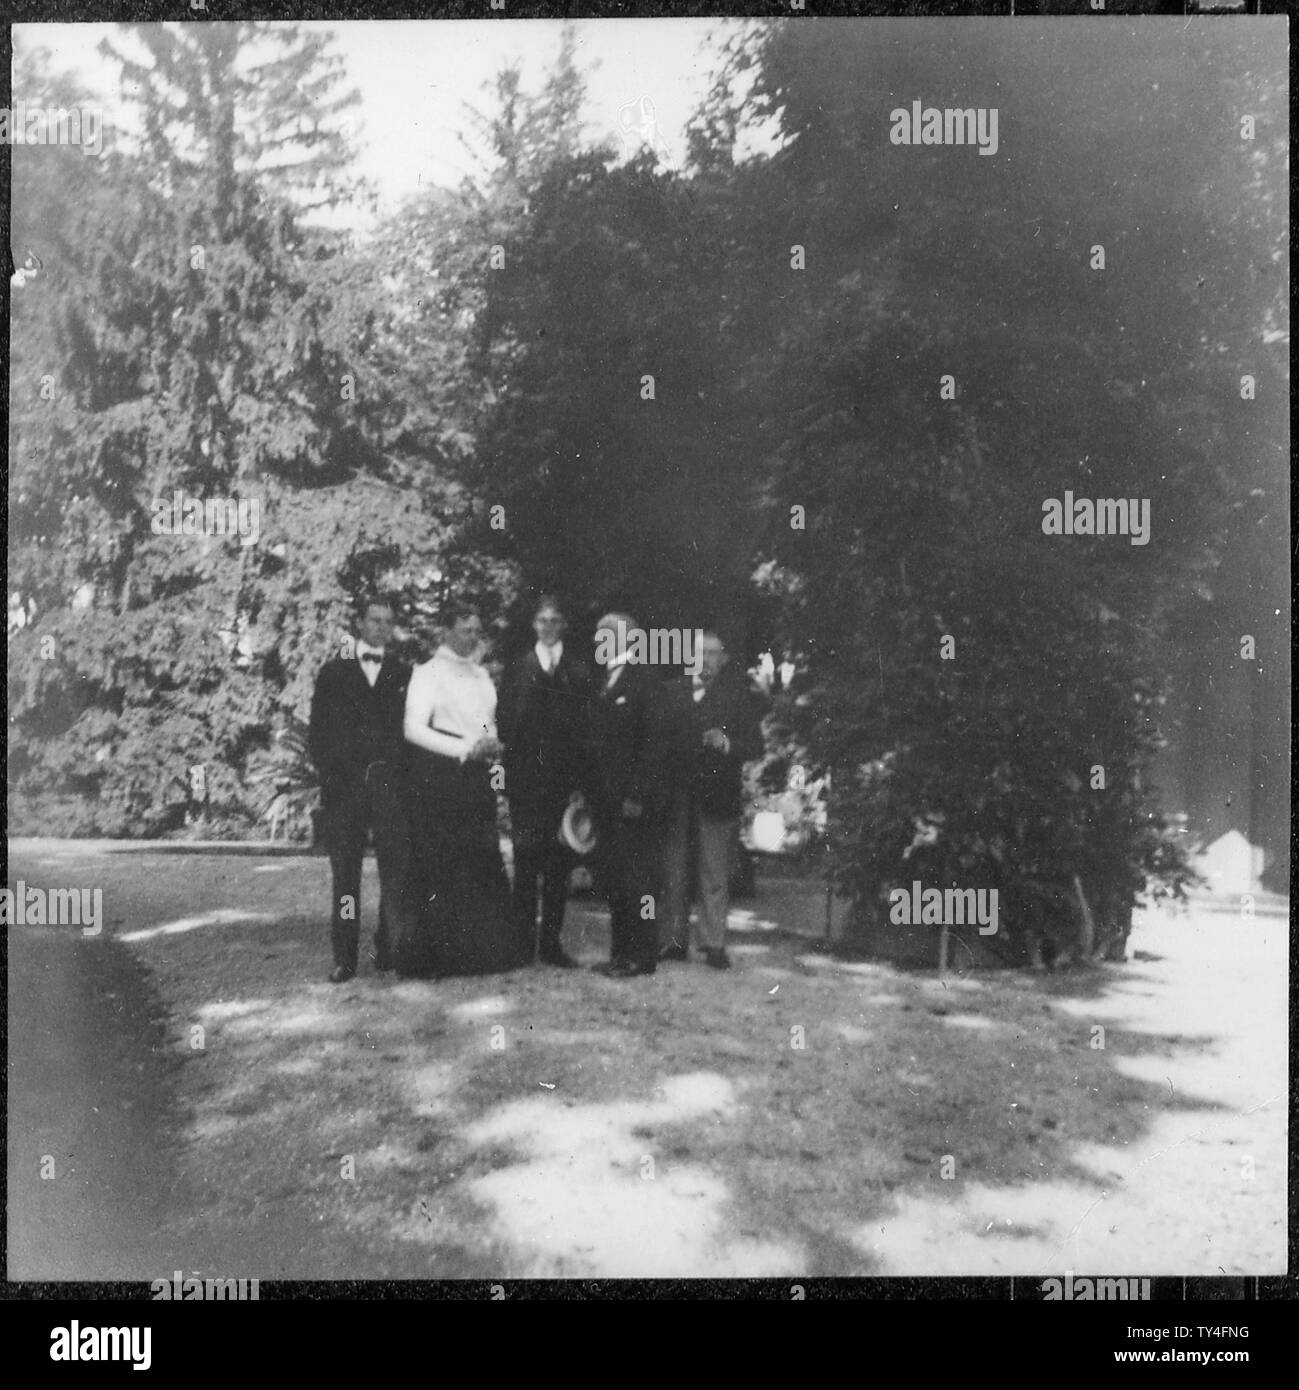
(1231, 865)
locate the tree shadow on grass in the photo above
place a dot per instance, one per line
(560, 1149)
(794, 1115)
(981, 1109)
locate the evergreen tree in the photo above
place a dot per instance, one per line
(195, 336)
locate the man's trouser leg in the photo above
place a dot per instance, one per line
(392, 854)
(346, 851)
(629, 871)
(611, 879)
(620, 943)
(646, 895)
(674, 904)
(716, 840)
(556, 864)
(527, 866)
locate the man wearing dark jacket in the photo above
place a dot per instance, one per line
(625, 769)
(355, 740)
(542, 721)
(716, 731)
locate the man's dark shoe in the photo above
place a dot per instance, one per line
(719, 960)
(626, 969)
(340, 975)
(674, 952)
(556, 956)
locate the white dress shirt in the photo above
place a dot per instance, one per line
(369, 669)
(549, 656)
(450, 705)
(614, 667)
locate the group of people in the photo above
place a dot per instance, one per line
(413, 759)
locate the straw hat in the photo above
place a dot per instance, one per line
(577, 830)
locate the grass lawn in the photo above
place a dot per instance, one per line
(795, 1116)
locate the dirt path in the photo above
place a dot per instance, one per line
(90, 1141)
(797, 1115)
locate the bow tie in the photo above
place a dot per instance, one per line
(372, 656)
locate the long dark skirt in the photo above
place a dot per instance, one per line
(457, 918)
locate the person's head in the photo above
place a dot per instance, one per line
(375, 616)
(462, 628)
(613, 642)
(713, 656)
(548, 621)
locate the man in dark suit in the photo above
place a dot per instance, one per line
(355, 740)
(715, 719)
(542, 721)
(624, 782)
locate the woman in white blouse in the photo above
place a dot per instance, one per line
(461, 923)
